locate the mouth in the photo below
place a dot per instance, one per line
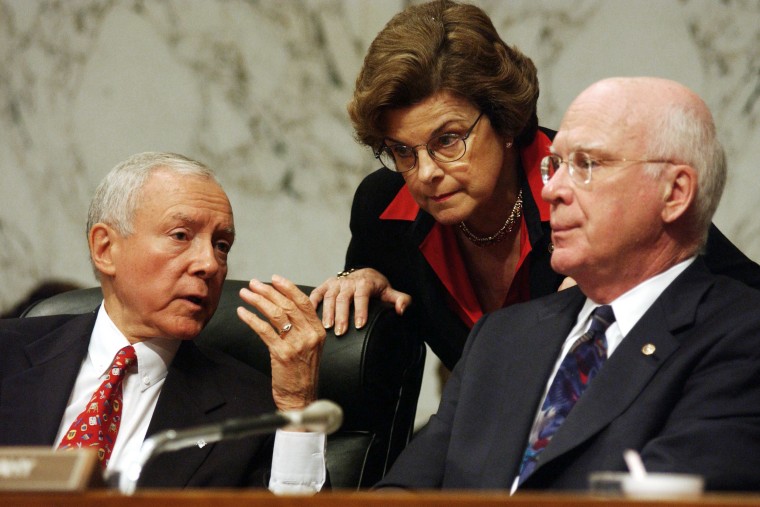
(442, 197)
(195, 300)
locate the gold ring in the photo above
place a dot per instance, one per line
(344, 274)
(287, 327)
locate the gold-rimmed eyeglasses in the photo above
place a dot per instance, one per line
(447, 147)
(581, 165)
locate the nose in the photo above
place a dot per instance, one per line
(427, 168)
(559, 186)
(205, 263)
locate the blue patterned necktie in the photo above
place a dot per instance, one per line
(580, 365)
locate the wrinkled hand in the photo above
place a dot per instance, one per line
(337, 292)
(294, 336)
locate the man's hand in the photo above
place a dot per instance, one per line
(294, 336)
(337, 292)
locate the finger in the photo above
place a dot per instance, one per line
(343, 306)
(365, 290)
(259, 326)
(268, 302)
(298, 298)
(399, 300)
(330, 289)
(361, 309)
(317, 295)
(308, 332)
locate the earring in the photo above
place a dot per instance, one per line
(509, 144)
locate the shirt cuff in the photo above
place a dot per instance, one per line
(298, 463)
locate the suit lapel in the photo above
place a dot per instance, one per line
(54, 362)
(188, 398)
(628, 371)
(530, 357)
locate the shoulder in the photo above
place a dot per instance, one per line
(379, 187)
(549, 132)
(374, 195)
(37, 326)
(383, 179)
(534, 319)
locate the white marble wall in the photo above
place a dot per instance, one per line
(258, 90)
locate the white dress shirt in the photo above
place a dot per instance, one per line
(628, 308)
(298, 463)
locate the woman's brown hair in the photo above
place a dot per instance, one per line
(444, 46)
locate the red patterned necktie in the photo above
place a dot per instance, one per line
(98, 425)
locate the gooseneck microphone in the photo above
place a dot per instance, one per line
(321, 416)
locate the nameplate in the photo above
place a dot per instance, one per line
(43, 469)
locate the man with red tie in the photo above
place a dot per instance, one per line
(160, 229)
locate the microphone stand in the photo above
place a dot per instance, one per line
(321, 416)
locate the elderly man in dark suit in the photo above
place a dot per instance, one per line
(160, 229)
(649, 352)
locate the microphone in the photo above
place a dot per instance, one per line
(322, 416)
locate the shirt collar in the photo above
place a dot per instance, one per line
(153, 355)
(633, 304)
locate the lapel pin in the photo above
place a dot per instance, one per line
(201, 444)
(648, 349)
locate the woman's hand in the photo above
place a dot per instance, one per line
(337, 292)
(294, 336)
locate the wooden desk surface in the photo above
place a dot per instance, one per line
(230, 498)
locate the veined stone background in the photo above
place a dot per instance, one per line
(258, 89)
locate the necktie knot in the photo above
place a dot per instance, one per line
(601, 318)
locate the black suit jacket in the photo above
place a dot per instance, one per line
(393, 248)
(39, 362)
(692, 406)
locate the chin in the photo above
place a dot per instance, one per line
(449, 217)
(563, 263)
(186, 329)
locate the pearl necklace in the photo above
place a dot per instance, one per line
(501, 233)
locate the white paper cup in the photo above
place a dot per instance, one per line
(651, 486)
(656, 485)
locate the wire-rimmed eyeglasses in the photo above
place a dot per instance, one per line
(581, 165)
(447, 147)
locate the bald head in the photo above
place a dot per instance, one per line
(643, 100)
(657, 119)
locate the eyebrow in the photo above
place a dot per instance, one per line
(588, 148)
(437, 131)
(187, 219)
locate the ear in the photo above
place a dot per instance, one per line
(102, 240)
(679, 192)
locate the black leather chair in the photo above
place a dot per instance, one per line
(373, 373)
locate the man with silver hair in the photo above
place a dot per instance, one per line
(160, 228)
(650, 351)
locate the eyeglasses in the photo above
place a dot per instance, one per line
(446, 147)
(581, 165)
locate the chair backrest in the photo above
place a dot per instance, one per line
(373, 373)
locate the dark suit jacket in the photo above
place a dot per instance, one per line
(393, 248)
(39, 362)
(693, 406)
